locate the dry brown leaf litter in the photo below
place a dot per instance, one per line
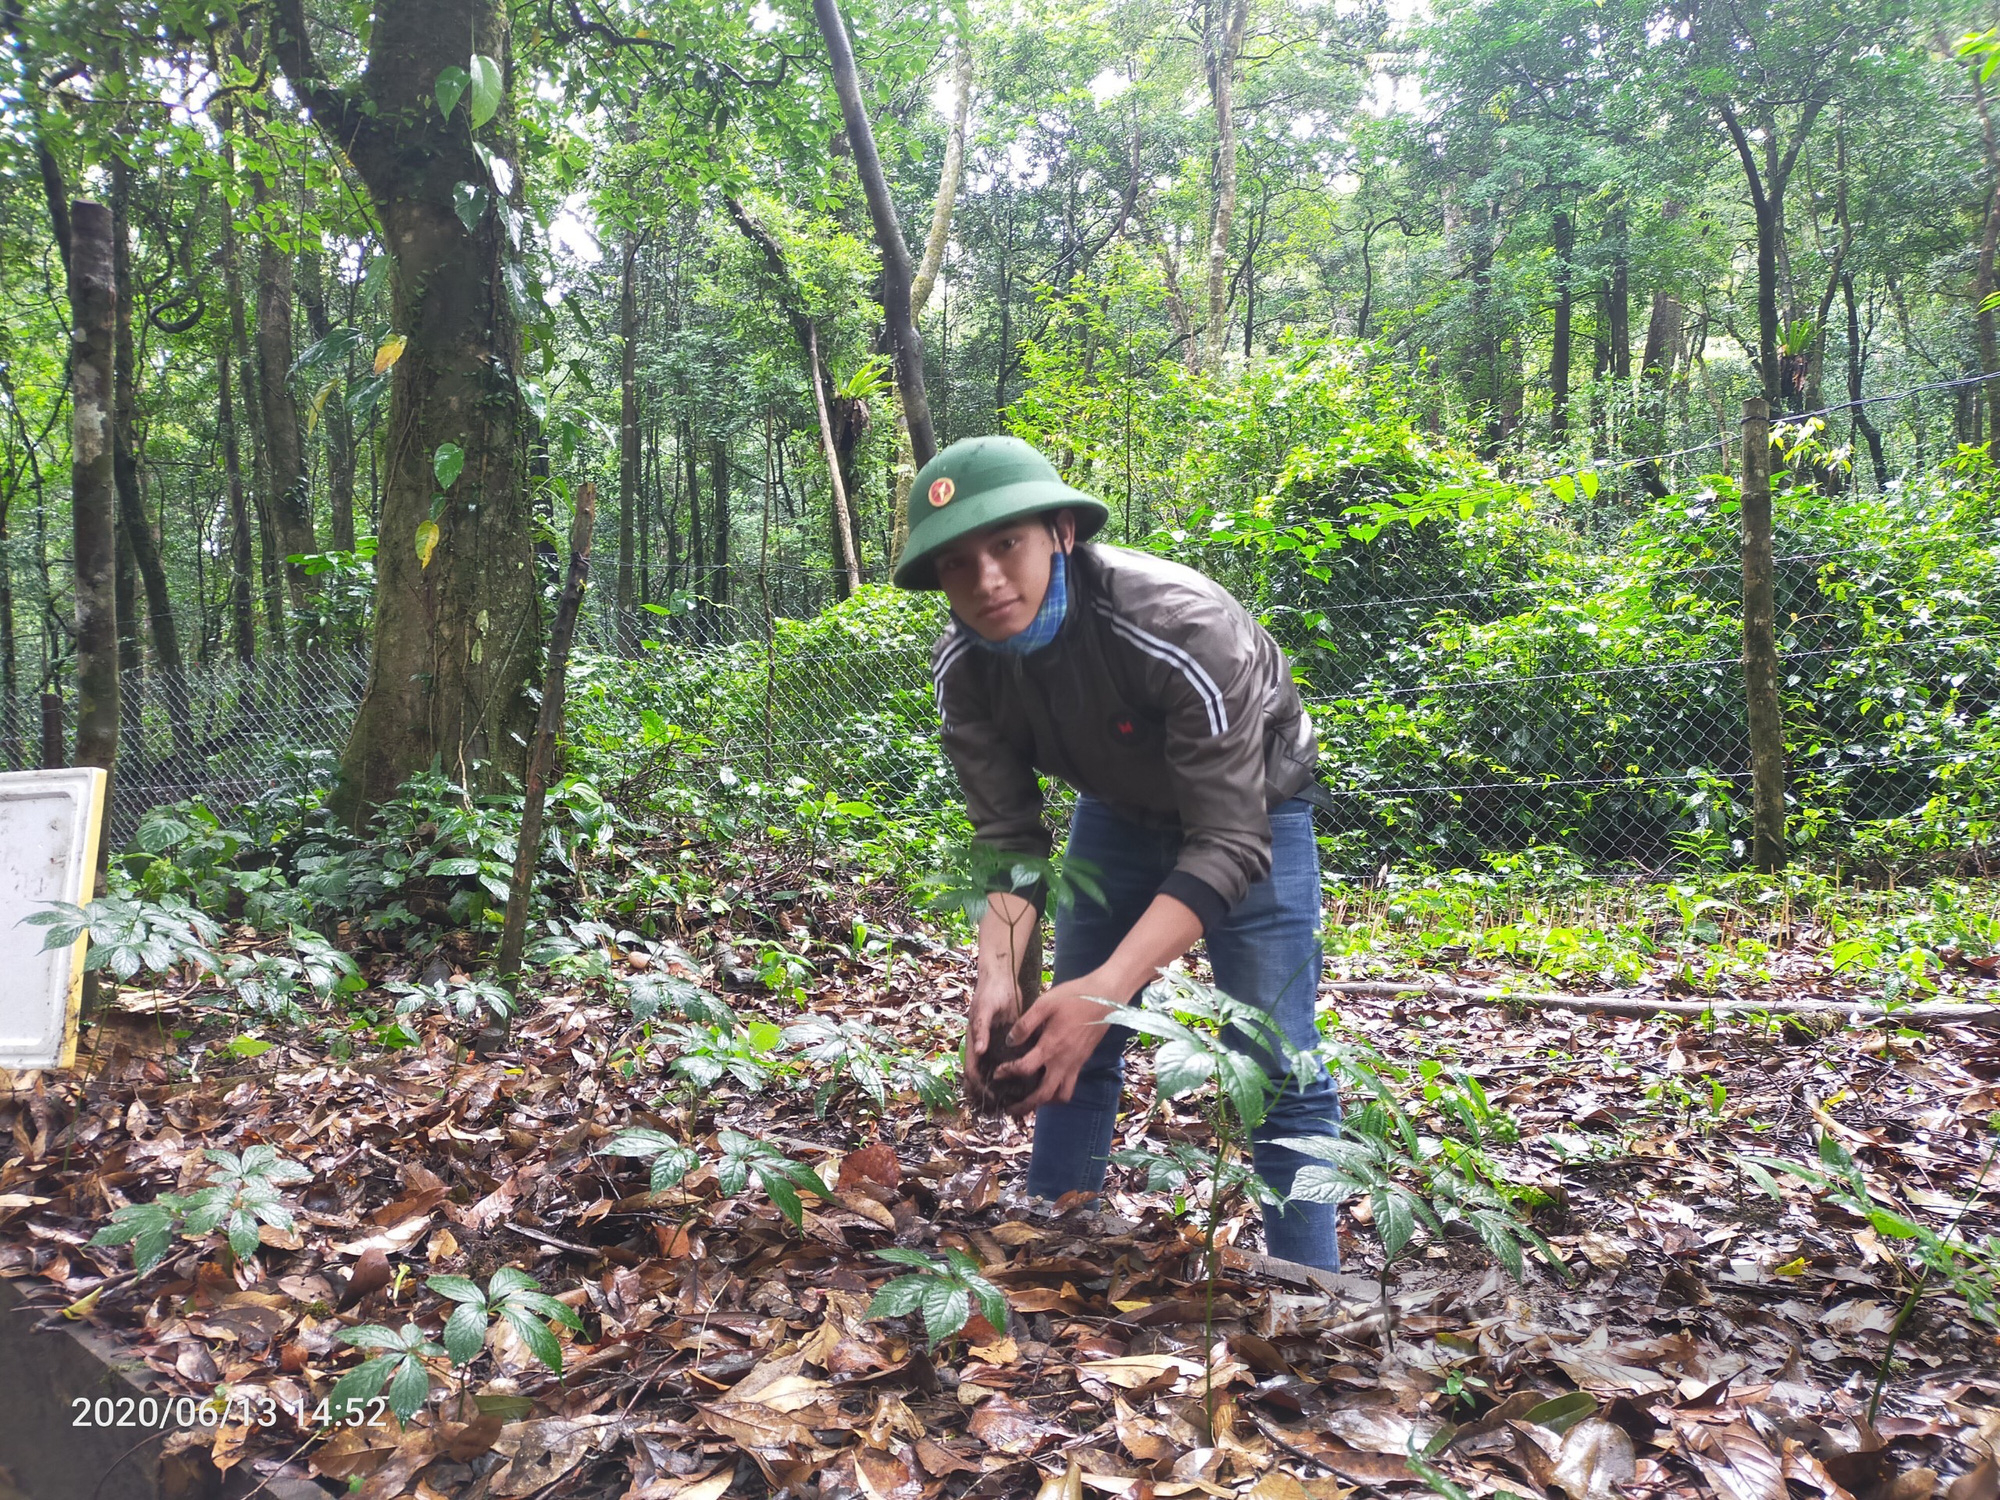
(1727, 1343)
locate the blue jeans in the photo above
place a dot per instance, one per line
(1266, 954)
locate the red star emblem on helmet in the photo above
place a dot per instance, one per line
(942, 489)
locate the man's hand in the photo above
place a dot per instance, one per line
(1065, 1025)
(996, 1002)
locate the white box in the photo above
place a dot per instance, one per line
(50, 822)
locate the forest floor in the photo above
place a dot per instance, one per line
(1710, 1339)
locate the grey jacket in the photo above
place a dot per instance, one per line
(1161, 697)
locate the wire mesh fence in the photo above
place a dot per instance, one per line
(224, 733)
(1469, 701)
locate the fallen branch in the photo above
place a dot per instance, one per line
(1917, 1017)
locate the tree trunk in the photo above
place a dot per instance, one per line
(697, 555)
(1862, 424)
(250, 418)
(843, 526)
(1222, 47)
(948, 180)
(1663, 339)
(131, 654)
(1563, 234)
(242, 607)
(289, 502)
(456, 639)
(926, 279)
(93, 300)
(339, 425)
(896, 273)
(1767, 200)
(1620, 296)
(624, 608)
(138, 531)
(718, 480)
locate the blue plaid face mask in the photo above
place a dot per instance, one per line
(1048, 619)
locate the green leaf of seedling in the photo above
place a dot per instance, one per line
(1763, 1179)
(409, 1387)
(784, 1196)
(1181, 1067)
(1498, 1236)
(507, 1281)
(465, 1329)
(671, 1167)
(486, 89)
(539, 1338)
(1393, 1220)
(360, 1385)
(451, 85)
(898, 1255)
(243, 1235)
(1560, 1413)
(903, 1295)
(447, 464)
(947, 1306)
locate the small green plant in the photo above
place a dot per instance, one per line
(129, 934)
(865, 1059)
(243, 1192)
(745, 1157)
(1194, 1024)
(1972, 1270)
(1408, 1182)
(1463, 1103)
(400, 1367)
(671, 1161)
(514, 1297)
(943, 1291)
(467, 1000)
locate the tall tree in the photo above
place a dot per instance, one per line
(1223, 23)
(283, 429)
(625, 604)
(896, 273)
(135, 527)
(93, 300)
(456, 625)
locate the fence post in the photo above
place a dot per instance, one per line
(1760, 645)
(55, 743)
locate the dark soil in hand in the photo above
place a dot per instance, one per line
(990, 1095)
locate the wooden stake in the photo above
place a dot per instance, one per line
(541, 753)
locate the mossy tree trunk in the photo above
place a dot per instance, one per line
(456, 638)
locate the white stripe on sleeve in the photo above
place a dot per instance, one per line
(1166, 651)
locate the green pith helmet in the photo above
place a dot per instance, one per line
(980, 482)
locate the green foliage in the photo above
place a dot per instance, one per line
(783, 1179)
(1207, 1037)
(129, 936)
(975, 871)
(744, 1159)
(671, 1161)
(242, 1192)
(1413, 1184)
(515, 1298)
(943, 1291)
(468, 1000)
(400, 1368)
(1971, 1269)
(866, 1060)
